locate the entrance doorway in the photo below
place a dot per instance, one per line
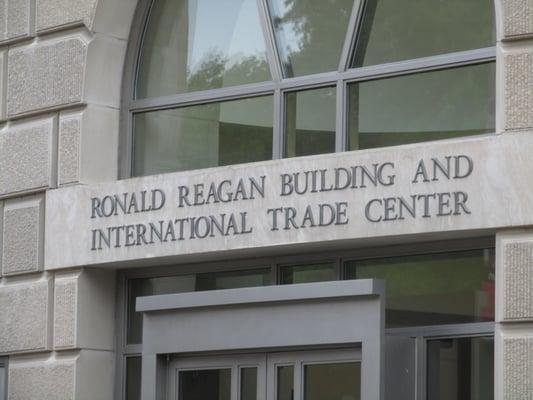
(299, 375)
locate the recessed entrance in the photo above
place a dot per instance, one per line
(301, 375)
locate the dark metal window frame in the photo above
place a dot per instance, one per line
(420, 333)
(279, 86)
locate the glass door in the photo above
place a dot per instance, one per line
(303, 375)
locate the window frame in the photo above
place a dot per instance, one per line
(421, 334)
(4, 363)
(279, 86)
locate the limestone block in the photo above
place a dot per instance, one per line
(518, 280)
(24, 312)
(84, 310)
(56, 14)
(23, 234)
(14, 19)
(3, 69)
(85, 375)
(517, 18)
(88, 145)
(518, 368)
(114, 17)
(518, 90)
(25, 156)
(47, 75)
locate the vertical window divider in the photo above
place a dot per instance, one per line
(341, 139)
(278, 142)
(351, 35)
(268, 33)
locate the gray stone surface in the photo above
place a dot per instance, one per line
(23, 235)
(46, 76)
(518, 368)
(3, 69)
(49, 380)
(25, 156)
(517, 18)
(518, 91)
(65, 306)
(69, 148)
(493, 182)
(518, 280)
(54, 14)
(24, 310)
(14, 19)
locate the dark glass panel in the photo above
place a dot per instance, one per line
(203, 136)
(310, 34)
(285, 382)
(133, 378)
(310, 122)
(433, 289)
(248, 383)
(306, 273)
(211, 384)
(201, 44)
(421, 107)
(395, 30)
(460, 369)
(339, 381)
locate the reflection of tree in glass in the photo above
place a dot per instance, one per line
(315, 32)
(215, 71)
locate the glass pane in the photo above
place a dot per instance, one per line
(310, 122)
(2, 383)
(460, 369)
(285, 383)
(133, 378)
(340, 381)
(310, 33)
(201, 44)
(203, 136)
(211, 384)
(433, 289)
(307, 273)
(248, 383)
(183, 284)
(394, 30)
(420, 107)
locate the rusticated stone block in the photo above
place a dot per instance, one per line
(25, 156)
(84, 310)
(14, 19)
(86, 375)
(517, 18)
(23, 235)
(42, 380)
(54, 14)
(65, 306)
(518, 280)
(69, 148)
(46, 76)
(518, 368)
(518, 91)
(24, 310)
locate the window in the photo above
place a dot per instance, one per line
(213, 83)
(439, 306)
(3, 378)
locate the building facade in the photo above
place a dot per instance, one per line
(266, 199)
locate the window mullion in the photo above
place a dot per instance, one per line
(270, 39)
(341, 142)
(351, 34)
(278, 126)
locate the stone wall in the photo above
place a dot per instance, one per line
(57, 112)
